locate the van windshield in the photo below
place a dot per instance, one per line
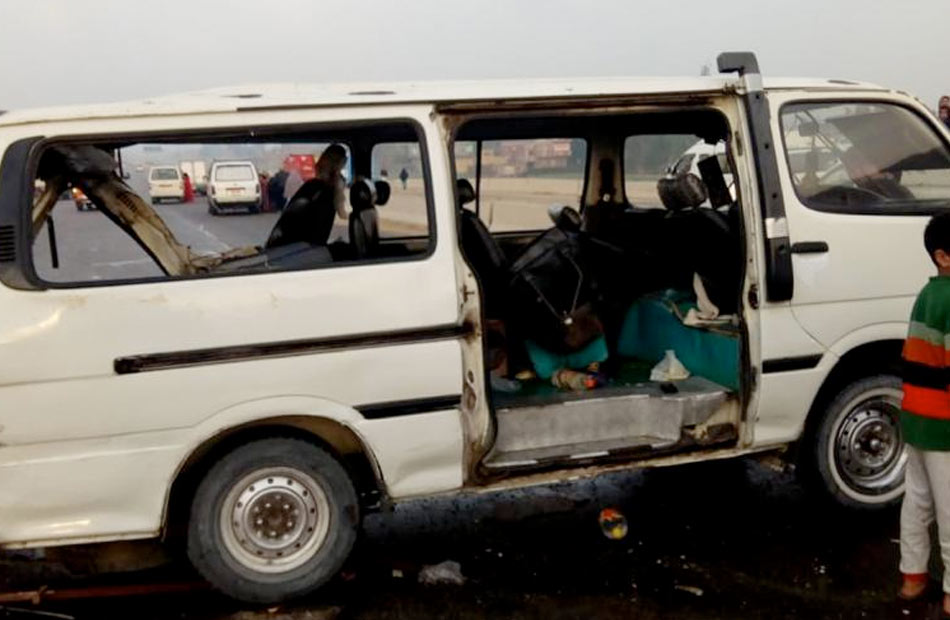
(233, 173)
(164, 174)
(844, 156)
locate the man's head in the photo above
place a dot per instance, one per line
(331, 162)
(937, 241)
(943, 108)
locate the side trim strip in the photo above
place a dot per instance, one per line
(787, 364)
(396, 408)
(237, 353)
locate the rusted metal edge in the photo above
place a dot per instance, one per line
(237, 353)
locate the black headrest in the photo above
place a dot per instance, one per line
(466, 192)
(682, 191)
(362, 194)
(383, 192)
(566, 218)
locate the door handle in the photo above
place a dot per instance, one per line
(809, 247)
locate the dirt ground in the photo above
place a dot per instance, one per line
(720, 540)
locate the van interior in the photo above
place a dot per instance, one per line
(582, 318)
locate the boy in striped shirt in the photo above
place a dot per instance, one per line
(925, 421)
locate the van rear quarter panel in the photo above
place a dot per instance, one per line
(88, 454)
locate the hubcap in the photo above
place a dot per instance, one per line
(274, 519)
(868, 449)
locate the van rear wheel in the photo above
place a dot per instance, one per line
(856, 455)
(273, 520)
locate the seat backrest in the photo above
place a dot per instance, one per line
(363, 221)
(477, 242)
(308, 216)
(483, 253)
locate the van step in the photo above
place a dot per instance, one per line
(575, 452)
(642, 415)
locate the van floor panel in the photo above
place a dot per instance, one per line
(632, 374)
(591, 424)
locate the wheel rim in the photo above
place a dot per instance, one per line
(867, 449)
(274, 519)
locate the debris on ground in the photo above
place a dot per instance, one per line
(447, 572)
(327, 613)
(612, 523)
(691, 589)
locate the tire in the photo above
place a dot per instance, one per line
(252, 565)
(855, 454)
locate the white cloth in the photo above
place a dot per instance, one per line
(706, 314)
(926, 497)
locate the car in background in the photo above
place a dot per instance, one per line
(233, 185)
(81, 200)
(165, 183)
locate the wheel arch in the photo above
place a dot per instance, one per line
(337, 438)
(863, 360)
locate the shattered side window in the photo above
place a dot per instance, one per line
(647, 158)
(521, 179)
(107, 213)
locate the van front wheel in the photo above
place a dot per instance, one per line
(273, 520)
(857, 454)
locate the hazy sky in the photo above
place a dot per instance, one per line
(67, 51)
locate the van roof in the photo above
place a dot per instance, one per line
(298, 95)
(232, 162)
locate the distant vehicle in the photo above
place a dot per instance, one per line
(233, 185)
(197, 170)
(165, 183)
(82, 201)
(305, 165)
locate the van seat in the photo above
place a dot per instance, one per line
(652, 325)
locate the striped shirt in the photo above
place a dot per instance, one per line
(925, 415)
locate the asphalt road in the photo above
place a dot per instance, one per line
(714, 540)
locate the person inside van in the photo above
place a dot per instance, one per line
(310, 213)
(943, 110)
(925, 422)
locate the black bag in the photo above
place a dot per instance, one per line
(553, 293)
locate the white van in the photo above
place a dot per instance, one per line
(252, 391)
(233, 185)
(165, 183)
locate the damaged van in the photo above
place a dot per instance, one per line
(544, 294)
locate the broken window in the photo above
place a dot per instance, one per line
(648, 158)
(520, 179)
(112, 212)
